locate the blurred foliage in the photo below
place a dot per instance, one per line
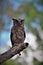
(29, 10)
(10, 62)
(36, 62)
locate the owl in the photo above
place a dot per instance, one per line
(17, 35)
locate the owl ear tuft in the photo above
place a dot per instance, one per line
(15, 21)
(22, 21)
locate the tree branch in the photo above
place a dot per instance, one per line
(12, 52)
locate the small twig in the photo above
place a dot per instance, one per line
(12, 52)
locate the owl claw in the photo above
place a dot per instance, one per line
(19, 54)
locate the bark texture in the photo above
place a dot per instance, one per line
(12, 52)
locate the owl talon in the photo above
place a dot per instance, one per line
(19, 54)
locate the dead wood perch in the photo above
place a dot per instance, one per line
(12, 52)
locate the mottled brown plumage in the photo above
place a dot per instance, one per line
(17, 32)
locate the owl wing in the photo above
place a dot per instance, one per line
(13, 36)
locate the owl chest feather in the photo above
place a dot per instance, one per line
(20, 34)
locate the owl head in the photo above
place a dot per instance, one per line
(19, 23)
